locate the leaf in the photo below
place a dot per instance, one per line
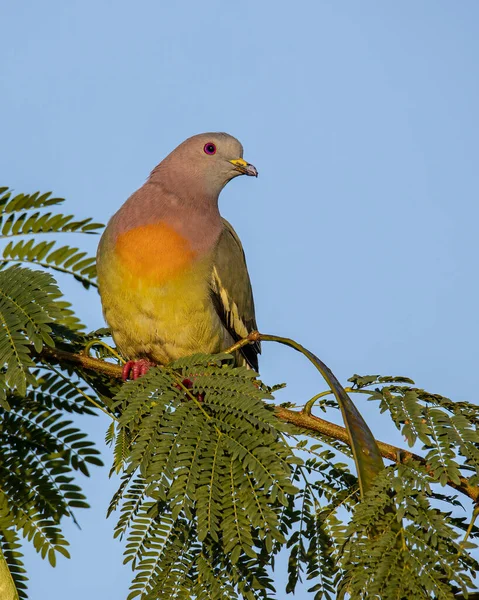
(23, 216)
(428, 562)
(28, 304)
(12, 571)
(216, 468)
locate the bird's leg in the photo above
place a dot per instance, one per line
(136, 368)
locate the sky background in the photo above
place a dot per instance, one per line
(361, 230)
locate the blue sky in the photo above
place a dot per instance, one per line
(361, 231)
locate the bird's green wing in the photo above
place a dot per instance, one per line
(232, 294)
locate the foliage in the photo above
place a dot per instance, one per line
(418, 559)
(40, 446)
(209, 459)
(214, 488)
(26, 215)
(447, 430)
(400, 541)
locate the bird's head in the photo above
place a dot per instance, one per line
(205, 163)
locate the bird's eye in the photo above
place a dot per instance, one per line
(210, 148)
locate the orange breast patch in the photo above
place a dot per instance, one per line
(155, 251)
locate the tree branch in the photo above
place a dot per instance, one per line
(299, 418)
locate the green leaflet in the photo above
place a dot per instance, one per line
(12, 578)
(28, 305)
(23, 215)
(207, 473)
(11, 223)
(429, 557)
(40, 448)
(448, 430)
(40, 451)
(64, 259)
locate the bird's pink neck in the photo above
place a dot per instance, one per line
(198, 222)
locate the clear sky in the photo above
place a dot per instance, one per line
(361, 231)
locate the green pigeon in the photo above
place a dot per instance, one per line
(172, 272)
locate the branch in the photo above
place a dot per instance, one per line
(82, 360)
(299, 418)
(393, 453)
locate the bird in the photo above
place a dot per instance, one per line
(172, 272)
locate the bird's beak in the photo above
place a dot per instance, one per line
(243, 167)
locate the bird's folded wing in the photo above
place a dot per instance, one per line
(232, 294)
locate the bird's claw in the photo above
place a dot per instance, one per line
(136, 368)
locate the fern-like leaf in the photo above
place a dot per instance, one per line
(428, 561)
(23, 216)
(28, 305)
(210, 461)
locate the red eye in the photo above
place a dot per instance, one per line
(210, 148)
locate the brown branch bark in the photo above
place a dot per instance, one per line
(393, 453)
(298, 418)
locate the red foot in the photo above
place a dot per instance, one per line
(136, 368)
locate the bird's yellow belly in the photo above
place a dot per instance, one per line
(156, 297)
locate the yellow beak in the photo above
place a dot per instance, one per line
(243, 167)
